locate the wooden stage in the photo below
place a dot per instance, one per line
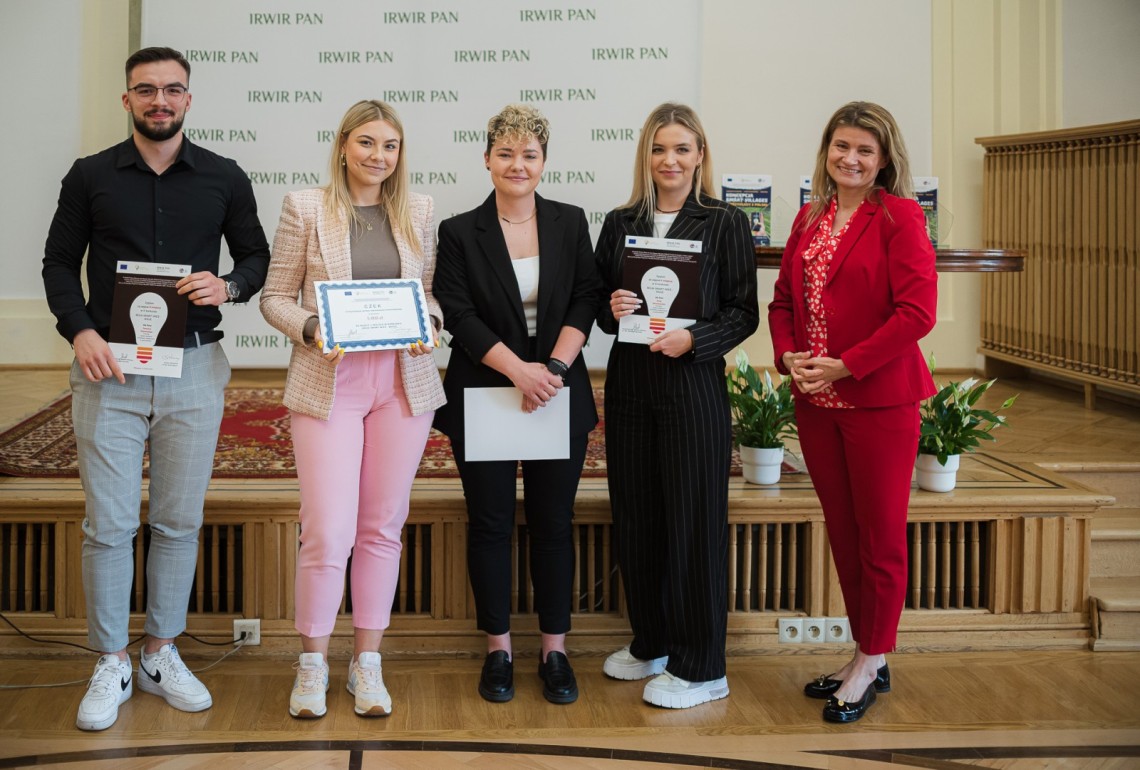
(1001, 606)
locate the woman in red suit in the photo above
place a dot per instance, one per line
(856, 291)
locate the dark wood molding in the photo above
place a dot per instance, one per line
(947, 260)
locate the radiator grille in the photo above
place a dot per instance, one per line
(948, 565)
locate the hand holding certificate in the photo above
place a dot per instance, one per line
(148, 318)
(382, 314)
(665, 273)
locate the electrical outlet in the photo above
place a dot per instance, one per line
(791, 630)
(837, 630)
(814, 630)
(251, 628)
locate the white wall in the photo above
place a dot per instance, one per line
(1100, 65)
(770, 73)
(60, 75)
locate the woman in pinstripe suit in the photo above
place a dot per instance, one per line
(668, 430)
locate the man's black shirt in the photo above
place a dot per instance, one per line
(116, 208)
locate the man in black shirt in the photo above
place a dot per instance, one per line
(153, 198)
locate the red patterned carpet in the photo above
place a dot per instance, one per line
(254, 442)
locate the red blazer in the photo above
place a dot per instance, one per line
(880, 299)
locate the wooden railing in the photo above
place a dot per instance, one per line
(1070, 199)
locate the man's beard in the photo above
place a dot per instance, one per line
(162, 133)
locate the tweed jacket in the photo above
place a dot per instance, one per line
(308, 247)
(880, 298)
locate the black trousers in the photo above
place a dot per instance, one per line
(668, 449)
(549, 488)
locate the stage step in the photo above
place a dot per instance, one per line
(1116, 543)
(1115, 605)
(1116, 527)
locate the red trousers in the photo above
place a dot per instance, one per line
(860, 461)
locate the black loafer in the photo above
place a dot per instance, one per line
(842, 711)
(824, 686)
(558, 683)
(497, 682)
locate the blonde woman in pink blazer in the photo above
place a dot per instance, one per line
(360, 422)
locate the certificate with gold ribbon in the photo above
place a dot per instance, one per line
(380, 314)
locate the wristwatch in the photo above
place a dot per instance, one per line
(232, 291)
(554, 366)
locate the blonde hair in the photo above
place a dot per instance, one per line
(894, 177)
(394, 189)
(518, 123)
(643, 199)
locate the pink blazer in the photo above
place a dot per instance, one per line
(880, 298)
(310, 247)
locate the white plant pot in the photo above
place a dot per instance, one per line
(761, 466)
(935, 477)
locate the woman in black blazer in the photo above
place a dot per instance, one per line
(515, 278)
(668, 429)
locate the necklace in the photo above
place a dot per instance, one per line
(374, 220)
(521, 221)
(663, 211)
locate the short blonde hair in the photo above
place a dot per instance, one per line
(643, 199)
(894, 177)
(518, 123)
(393, 192)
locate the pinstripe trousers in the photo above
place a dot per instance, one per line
(178, 418)
(668, 448)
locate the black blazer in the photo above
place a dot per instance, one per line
(729, 308)
(476, 287)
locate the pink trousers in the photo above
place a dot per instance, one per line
(355, 471)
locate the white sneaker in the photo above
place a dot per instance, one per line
(308, 698)
(164, 674)
(622, 665)
(673, 692)
(366, 683)
(109, 688)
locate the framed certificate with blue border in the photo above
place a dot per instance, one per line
(381, 314)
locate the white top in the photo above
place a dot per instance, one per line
(662, 223)
(526, 273)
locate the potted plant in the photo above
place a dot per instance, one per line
(763, 417)
(951, 425)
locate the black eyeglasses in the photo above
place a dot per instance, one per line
(146, 91)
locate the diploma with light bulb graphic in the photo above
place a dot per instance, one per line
(148, 318)
(665, 274)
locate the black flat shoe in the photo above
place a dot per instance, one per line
(824, 686)
(497, 682)
(558, 683)
(841, 711)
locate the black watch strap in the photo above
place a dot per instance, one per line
(554, 366)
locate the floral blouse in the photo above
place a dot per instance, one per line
(817, 260)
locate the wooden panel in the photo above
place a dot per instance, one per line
(1068, 199)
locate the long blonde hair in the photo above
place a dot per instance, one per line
(894, 177)
(393, 191)
(643, 199)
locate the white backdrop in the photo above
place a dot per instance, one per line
(270, 88)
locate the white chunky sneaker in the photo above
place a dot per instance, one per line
(308, 698)
(165, 675)
(622, 665)
(366, 683)
(110, 687)
(672, 692)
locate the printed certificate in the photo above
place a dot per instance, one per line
(665, 274)
(381, 314)
(148, 318)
